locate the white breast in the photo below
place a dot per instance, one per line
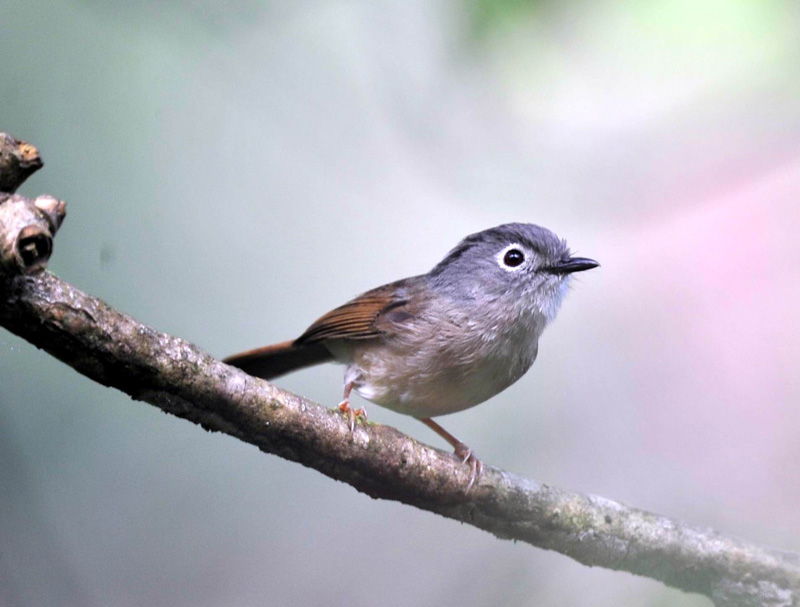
(428, 373)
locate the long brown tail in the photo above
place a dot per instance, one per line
(273, 361)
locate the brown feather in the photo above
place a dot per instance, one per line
(279, 359)
(370, 315)
(357, 319)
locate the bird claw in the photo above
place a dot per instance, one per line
(352, 414)
(475, 465)
(461, 451)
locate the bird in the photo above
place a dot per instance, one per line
(440, 342)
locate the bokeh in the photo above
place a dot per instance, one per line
(234, 169)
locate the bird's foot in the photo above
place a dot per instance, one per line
(351, 413)
(475, 465)
(461, 451)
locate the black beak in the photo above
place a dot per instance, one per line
(571, 264)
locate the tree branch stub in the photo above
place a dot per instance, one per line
(27, 228)
(18, 161)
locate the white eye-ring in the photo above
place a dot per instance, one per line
(512, 258)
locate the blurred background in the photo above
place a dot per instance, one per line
(233, 170)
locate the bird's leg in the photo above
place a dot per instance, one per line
(461, 450)
(345, 407)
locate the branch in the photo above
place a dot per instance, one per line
(18, 161)
(179, 378)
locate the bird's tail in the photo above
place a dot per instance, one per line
(272, 361)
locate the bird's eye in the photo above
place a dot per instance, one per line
(513, 258)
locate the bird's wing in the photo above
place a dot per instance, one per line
(371, 314)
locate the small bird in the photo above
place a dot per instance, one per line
(444, 341)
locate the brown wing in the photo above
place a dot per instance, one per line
(360, 318)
